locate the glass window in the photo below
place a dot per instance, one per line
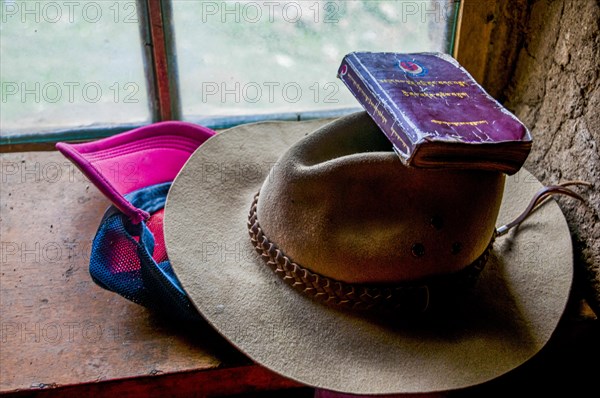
(264, 57)
(75, 66)
(70, 64)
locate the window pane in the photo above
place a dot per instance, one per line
(259, 57)
(70, 64)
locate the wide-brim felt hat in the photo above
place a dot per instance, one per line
(503, 320)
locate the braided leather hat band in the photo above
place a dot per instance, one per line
(409, 297)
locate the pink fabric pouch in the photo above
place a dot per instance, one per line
(135, 159)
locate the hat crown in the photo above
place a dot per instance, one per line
(340, 203)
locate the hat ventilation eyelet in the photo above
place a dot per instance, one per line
(437, 222)
(417, 249)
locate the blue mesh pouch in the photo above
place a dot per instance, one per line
(130, 260)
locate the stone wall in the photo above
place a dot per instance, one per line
(555, 91)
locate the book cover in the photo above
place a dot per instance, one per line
(434, 112)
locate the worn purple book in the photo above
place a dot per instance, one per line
(434, 112)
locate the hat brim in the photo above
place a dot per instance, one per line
(508, 317)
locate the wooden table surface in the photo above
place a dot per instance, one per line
(58, 328)
(61, 334)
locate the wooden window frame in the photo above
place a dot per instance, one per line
(479, 43)
(488, 36)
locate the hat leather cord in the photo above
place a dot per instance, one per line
(541, 197)
(409, 297)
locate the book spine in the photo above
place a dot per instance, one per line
(359, 82)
